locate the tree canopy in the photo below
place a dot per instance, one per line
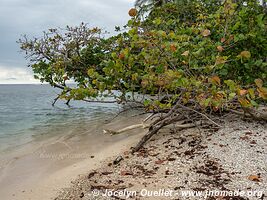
(185, 58)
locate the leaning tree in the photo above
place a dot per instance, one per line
(185, 73)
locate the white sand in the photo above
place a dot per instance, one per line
(40, 170)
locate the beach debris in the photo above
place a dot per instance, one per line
(255, 178)
(82, 195)
(117, 160)
(158, 162)
(106, 173)
(128, 128)
(126, 173)
(90, 175)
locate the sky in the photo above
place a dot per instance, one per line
(31, 17)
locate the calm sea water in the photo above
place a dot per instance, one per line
(26, 112)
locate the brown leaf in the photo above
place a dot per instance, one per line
(132, 12)
(126, 173)
(262, 92)
(222, 40)
(158, 162)
(121, 56)
(106, 173)
(206, 33)
(255, 178)
(220, 48)
(242, 92)
(173, 48)
(216, 80)
(259, 82)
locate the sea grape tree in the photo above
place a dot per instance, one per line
(182, 63)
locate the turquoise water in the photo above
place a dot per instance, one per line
(26, 112)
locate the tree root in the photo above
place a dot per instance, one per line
(259, 114)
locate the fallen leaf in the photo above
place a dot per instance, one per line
(106, 173)
(126, 173)
(255, 178)
(158, 162)
(222, 40)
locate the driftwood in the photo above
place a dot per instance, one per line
(111, 132)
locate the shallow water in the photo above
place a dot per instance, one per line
(27, 114)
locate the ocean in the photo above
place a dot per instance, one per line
(27, 114)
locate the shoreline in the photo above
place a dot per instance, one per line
(41, 169)
(231, 161)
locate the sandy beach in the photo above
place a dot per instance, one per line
(40, 169)
(74, 167)
(190, 164)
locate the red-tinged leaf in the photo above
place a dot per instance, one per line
(173, 48)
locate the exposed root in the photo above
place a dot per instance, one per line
(256, 114)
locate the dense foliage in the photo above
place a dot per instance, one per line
(210, 56)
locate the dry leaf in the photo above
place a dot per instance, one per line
(255, 178)
(220, 60)
(216, 80)
(206, 32)
(262, 92)
(132, 12)
(126, 173)
(121, 56)
(245, 54)
(220, 48)
(173, 48)
(158, 162)
(186, 53)
(222, 40)
(242, 92)
(259, 82)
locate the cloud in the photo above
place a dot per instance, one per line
(16, 75)
(31, 17)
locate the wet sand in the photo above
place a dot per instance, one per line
(41, 168)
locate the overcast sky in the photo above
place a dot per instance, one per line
(31, 17)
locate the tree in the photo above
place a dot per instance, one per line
(181, 71)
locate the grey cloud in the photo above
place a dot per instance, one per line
(31, 17)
